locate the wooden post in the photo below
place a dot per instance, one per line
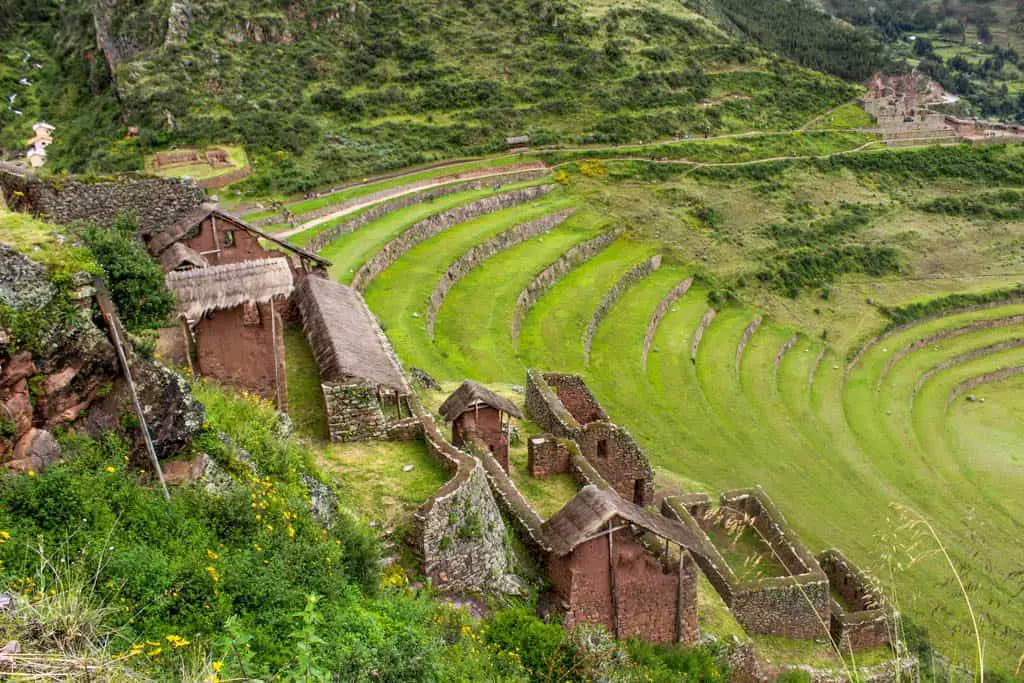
(611, 580)
(216, 237)
(186, 340)
(277, 361)
(679, 597)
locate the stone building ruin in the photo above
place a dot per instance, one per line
(602, 575)
(861, 619)
(564, 406)
(365, 391)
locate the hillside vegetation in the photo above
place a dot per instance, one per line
(318, 91)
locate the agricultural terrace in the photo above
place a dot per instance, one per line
(780, 346)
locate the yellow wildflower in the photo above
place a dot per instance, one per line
(155, 652)
(111, 469)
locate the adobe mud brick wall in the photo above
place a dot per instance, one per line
(863, 621)
(615, 454)
(547, 455)
(576, 396)
(156, 202)
(438, 223)
(545, 408)
(564, 406)
(655, 600)
(400, 202)
(354, 412)
(613, 295)
(547, 278)
(659, 313)
(485, 250)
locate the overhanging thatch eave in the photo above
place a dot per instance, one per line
(202, 290)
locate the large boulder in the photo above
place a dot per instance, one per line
(36, 451)
(23, 282)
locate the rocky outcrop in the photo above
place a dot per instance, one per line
(72, 379)
(179, 20)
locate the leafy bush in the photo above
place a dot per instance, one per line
(546, 651)
(135, 280)
(808, 267)
(901, 315)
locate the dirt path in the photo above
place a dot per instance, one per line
(356, 204)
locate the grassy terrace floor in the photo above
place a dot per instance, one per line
(832, 451)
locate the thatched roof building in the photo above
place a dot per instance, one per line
(220, 287)
(345, 337)
(188, 225)
(589, 512)
(181, 256)
(471, 394)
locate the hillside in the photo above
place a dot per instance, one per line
(319, 91)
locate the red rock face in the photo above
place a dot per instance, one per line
(36, 450)
(184, 471)
(17, 408)
(21, 366)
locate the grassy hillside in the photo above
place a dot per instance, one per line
(317, 91)
(824, 245)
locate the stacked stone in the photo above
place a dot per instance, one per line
(354, 413)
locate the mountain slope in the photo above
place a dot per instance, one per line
(321, 90)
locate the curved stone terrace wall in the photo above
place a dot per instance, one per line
(745, 338)
(987, 378)
(634, 275)
(963, 358)
(783, 350)
(438, 223)
(547, 278)
(698, 334)
(659, 313)
(476, 179)
(485, 250)
(992, 323)
(377, 211)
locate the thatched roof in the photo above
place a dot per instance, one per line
(590, 510)
(471, 394)
(219, 287)
(184, 228)
(180, 255)
(345, 337)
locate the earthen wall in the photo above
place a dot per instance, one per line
(241, 355)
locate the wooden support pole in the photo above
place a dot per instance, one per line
(277, 360)
(680, 594)
(611, 580)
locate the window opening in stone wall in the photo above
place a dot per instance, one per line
(229, 238)
(250, 314)
(638, 491)
(602, 448)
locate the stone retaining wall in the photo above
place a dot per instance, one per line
(544, 407)
(354, 412)
(783, 350)
(526, 520)
(745, 339)
(155, 202)
(439, 187)
(794, 606)
(377, 211)
(900, 354)
(485, 250)
(235, 176)
(634, 275)
(427, 228)
(547, 278)
(459, 531)
(659, 313)
(963, 358)
(814, 368)
(987, 378)
(698, 334)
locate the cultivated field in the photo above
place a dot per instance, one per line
(856, 432)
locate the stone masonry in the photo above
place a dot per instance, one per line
(354, 412)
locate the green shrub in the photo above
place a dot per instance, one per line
(135, 280)
(665, 663)
(546, 651)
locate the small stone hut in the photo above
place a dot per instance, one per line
(601, 572)
(365, 391)
(232, 326)
(481, 419)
